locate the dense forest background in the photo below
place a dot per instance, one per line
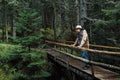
(101, 18)
(28, 22)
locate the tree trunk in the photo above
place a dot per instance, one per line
(78, 12)
(83, 12)
(12, 23)
(54, 20)
(63, 19)
(4, 21)
(63, 25)
(6, 32)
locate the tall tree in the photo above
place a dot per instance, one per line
(4, 19)
(83, 12)
(63, 21)
(54, 20)
(78, 11)
(28, 27)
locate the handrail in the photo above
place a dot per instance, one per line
(100, 46)
(88, 61)
(91, 50)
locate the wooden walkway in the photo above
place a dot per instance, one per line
(76, 65)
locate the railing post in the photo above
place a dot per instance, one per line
(55, 46)
(73, 76)
(92, 69)
(67, 62)
(66, 50)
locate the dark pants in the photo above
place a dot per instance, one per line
(86, 56)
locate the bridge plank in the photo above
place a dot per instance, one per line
(99, 72)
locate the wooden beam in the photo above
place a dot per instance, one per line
(91, 50)
(75, 65)
(88, 61)
(93, 45)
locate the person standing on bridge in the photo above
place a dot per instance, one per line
(82, 41)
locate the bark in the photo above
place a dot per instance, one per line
(12, 23)
(54, 21)
(63, 19)
(78, 12)
(63, 25)
(4, 21)
(83, 12)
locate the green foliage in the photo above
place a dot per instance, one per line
(112, 14)
(28, 27)
(25, 64)
(13, 2)
(7, 53)
(50, 33)
(108, 29)
(32, 65)
(4, 76)
(22, 64)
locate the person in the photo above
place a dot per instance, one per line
(82, 41)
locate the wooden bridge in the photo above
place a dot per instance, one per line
(63, 54)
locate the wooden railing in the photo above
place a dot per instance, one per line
(91, 50)
(93, 45)
(90, 61)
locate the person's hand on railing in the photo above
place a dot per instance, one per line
(72, 45)
(79, 46)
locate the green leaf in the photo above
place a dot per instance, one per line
(37, 63)
(42, 74)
